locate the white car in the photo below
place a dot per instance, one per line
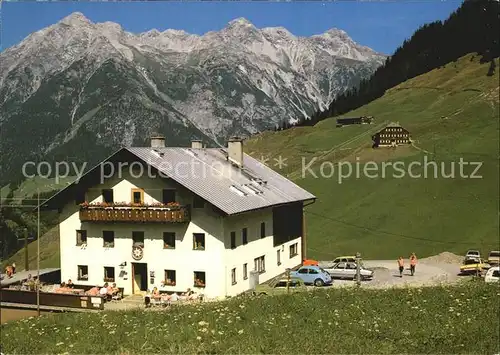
(347, 270)
(473, 254)
(493, 274)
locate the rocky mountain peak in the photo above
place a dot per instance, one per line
(240, 22)
(78, 83)
(75, 19)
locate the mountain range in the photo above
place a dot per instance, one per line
(78, 90)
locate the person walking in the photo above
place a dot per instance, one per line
(401, 265)
(413, 263)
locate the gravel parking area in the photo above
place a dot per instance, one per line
(435, 270)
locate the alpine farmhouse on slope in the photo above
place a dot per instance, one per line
(179, 218)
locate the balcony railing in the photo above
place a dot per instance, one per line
(134, 214)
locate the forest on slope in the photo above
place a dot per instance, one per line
(472, 28)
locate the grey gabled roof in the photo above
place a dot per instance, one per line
(209, 174)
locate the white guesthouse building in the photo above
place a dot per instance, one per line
(179, 218)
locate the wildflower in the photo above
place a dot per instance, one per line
(59, 344)
(198, 338)
(240, 331)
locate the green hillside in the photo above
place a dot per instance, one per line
(49, 252)
(451, 113)
(29, 187)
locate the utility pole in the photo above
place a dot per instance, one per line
(38, 255)
(26, 256)
(288, 280)
(358, 273)
(26, 261)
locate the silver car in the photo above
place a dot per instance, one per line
(347, 270)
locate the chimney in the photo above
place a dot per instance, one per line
(235, 150)
(157, 141)
(196, 144)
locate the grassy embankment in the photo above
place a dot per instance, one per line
(49, 242)
(459, 319)
(451, 113)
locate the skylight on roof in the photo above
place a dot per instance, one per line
(238, 190)
(190, 152)
(252, 189)
(157, 153)
(258, 182)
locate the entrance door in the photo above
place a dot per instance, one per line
(140, 279)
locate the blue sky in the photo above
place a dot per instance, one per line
(381, 25)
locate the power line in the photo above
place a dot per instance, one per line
(392, 234)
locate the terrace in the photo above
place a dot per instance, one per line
(134, 213)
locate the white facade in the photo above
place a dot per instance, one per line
(217, 260)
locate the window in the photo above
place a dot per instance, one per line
(198, 241)
(233, 240)
(293, 250)
(244, 236)
(199, 279)
(108, 238)
(233, 276)
(169, 278)
(198, 202)
(107, 196)
(245, 271)
(168, 240)
(351, 266)
(83, 272)
(260, 264)
(313, 271)
(278, 257)
(138, 239)
(303, 271)
(168, 196)
(109, 274)
(137, 196)
(80, 197)
(81, 237)
(496, 273)
(263, 230)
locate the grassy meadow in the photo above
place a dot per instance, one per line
(457, 319)
(452, 113)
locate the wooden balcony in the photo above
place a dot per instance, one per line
(134, 214)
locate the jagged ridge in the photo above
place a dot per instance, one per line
(81, 83)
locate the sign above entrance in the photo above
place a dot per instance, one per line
(137, 252)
